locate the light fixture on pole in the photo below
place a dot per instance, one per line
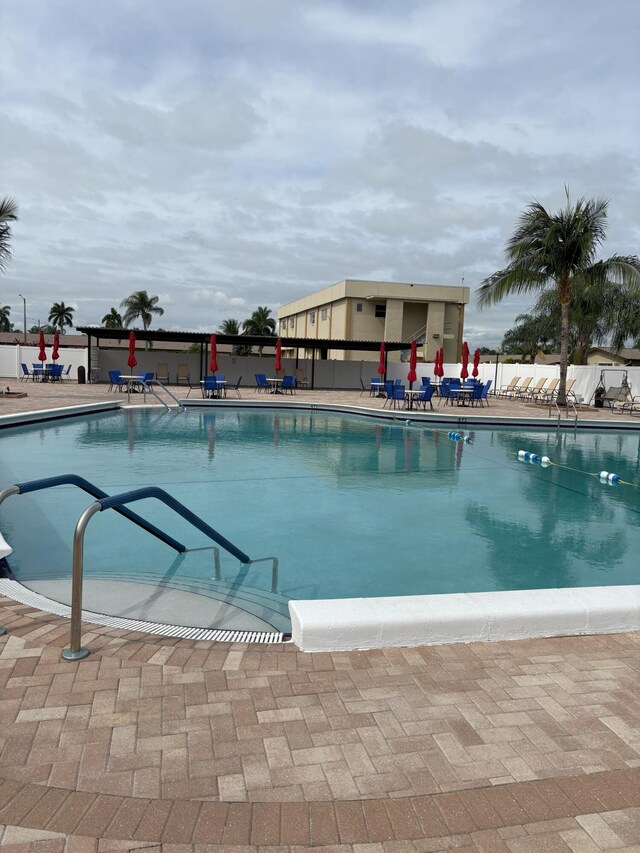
(24, 305)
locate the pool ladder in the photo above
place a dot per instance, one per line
(148, 386)
(569, 403)
(118, 503)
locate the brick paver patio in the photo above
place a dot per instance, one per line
(179, 745)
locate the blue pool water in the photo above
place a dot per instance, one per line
(350, 506)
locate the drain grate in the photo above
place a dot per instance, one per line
(17, 592)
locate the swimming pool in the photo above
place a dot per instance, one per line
(350, 507)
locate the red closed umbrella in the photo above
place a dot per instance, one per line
(55, 355)
(213, 360)
(278, 356)
(465, 361)
(381, 368)
(438, 368)
(42, 355)
(413, 360)
(476, 362)
(131, 361)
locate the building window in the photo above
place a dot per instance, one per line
(359, 307)
(381, 310)
(324, 314)
(312, 318)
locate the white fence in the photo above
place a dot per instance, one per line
(11, 357)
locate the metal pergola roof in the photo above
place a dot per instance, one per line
(314, 344)
(99, 332)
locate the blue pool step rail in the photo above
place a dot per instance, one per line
(119, 504)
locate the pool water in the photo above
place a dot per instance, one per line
(350, 506)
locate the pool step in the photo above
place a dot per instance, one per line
(262, 603)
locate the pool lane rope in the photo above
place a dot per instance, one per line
(607, 478)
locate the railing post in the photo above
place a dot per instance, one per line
(75, 650)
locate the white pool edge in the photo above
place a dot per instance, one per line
(426, 620)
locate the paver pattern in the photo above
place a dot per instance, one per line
(176, 745)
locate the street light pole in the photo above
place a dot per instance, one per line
(24, 301)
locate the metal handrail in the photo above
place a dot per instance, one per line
(118, 503)
(568, 402)
(148, 385)
(76, 651)
(95, 492)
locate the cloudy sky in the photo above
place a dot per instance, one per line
(225, 154)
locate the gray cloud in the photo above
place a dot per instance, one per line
(249, 152)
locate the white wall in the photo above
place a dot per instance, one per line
(12, 356)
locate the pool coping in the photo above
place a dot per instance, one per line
(426, 620)
(365, 623)
(40, 415)
(417, 417)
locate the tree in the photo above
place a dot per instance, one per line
(112, 320)
(140, 304)
(5, 324)
(260, 324)
(8, 214)
(61, 315)
(232, 327)
(555, 251)
(531, 334)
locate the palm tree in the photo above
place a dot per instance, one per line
(5, 323)
(8, 213)
(61, 315)
(260, 324)
(140, 304)
(232, 327)
(112, 320)
(558, 251)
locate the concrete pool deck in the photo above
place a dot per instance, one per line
(181, 745)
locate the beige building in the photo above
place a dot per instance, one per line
(380, 310)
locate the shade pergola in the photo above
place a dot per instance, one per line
(316, 345)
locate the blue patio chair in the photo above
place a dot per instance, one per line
(388, 391)
(26, 373)
(425, 395)
(236, 387)
(375, 386)
(210, 386)
(116, 381)
(398, 396)
(261, 383)
(426, 380)
(54, 372)
(222, 388)
(147, 377)
(288, 384)
(37, 371)
(477, 394)
(66, 374)
(483, 394)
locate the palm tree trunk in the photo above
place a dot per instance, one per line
(564, 353)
